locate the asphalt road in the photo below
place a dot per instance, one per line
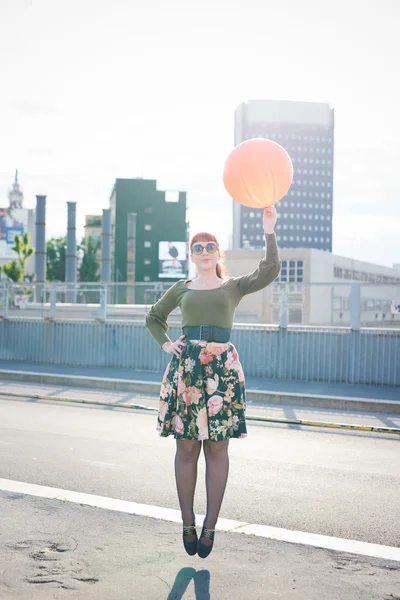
(52, 550)
(336, 483)
(341, 484)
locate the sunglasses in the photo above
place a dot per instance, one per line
(198, 248)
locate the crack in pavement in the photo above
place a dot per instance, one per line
(47, 563)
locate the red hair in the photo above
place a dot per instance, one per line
(203, 236)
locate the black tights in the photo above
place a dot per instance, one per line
(217, 469)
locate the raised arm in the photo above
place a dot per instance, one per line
(269, 267)
(156, 318)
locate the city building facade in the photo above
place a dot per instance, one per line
(15, 219)
(93, 227)
(306, 131)
(149, 233)
(93, 231)
(317, 286)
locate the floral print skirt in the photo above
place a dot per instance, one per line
(202, 394)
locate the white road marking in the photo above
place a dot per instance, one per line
(99, 463)
(169, 514)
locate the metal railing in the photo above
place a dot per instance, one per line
(82, 325)
(338, 304)
(315, 354)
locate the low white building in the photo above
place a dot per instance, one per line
(318, 284)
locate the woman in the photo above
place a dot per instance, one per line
(202, 395)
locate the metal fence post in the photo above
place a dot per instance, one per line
(103, 302)
(53, 299)
(283, 309)
(355, 306)
(5, 299)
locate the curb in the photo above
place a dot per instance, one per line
(130, 405)
(261, 396)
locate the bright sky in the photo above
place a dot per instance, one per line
(92, 90)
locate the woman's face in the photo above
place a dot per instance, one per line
(207, 260)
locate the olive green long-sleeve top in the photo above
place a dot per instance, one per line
(216, 306)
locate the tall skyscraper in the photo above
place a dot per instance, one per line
(306, 131)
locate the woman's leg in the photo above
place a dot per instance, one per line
(217, 469)
(186, 457)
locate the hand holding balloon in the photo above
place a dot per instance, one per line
(269, 218)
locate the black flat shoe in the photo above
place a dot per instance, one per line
(190, 547)
(202, 550)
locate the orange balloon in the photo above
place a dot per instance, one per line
(258, 173)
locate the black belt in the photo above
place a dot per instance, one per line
(209, 333)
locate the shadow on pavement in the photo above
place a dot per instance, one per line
(201, 584)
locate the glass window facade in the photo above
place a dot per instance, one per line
(311, 149)
(292, 271)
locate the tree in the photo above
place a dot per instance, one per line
(89, 269)
(56, 249)
(15, 269)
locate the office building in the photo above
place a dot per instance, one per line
(306, 131)
(93, 230)
(149, 233)
(93, 227)
(317, 285)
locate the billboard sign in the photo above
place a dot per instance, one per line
(12, 221)
(172, 260)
